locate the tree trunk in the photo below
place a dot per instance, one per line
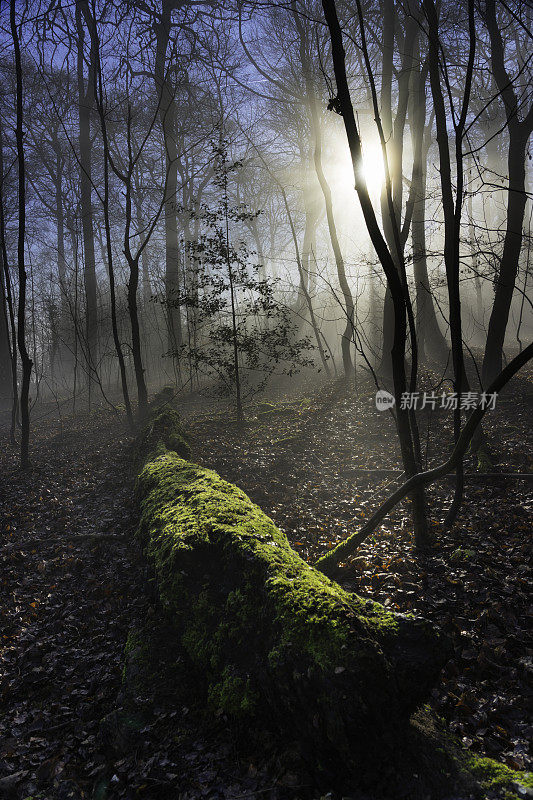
(133, 284)
(64, 310)
(389, 18)
(142, 393)
(478, 314)
(85, 107)
(303, 286)
(168, 117)
(6, 366)
(405, 430)
(519, 133)
(452, 210)
(508, 268)
(303, 289)
(275, 640)
(172, 256)
(21, 315)
(8, 346)
(431, 342)
(348, 309)
(392, 196)
(328, 563)
(97, 96)
(312, 215)
(6, 283)
(146, 292)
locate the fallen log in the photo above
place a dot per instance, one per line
(277, 641)
(163, 430)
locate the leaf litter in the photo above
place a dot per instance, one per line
(72, 582)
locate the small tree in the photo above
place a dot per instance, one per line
(243, 333)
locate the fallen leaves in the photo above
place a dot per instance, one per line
(70, 583)
(475, 583)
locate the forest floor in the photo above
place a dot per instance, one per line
(72, 583)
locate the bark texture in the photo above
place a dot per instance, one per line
(275, 639)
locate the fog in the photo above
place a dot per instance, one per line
(189, 191)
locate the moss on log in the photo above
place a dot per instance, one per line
(275, 639)
(164, 429)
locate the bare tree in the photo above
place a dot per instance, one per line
(431, 342)
(25, 359)
(8, 334)
(85, 109)
(395, 281)
(519, 126)
(316, 135)
(168, 116)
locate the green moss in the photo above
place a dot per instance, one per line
(232, 695)
(262, 634)
(164, 396)
(476, 774)
(187, 507)
(164, 428)
(265, 628)
(492, 775)
(431, 758)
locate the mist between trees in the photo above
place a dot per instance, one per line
(219, 196)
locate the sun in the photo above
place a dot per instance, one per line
(373, 168)
(340, 171)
